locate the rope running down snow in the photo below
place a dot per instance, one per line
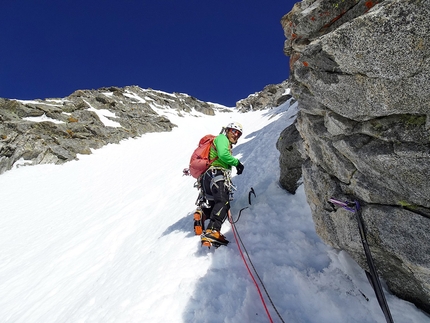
(237, 238)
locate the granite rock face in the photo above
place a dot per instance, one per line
(290, 146)
(359, 70)
(57, 130)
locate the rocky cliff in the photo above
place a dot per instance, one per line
(360, 72)
(272, 95)
(57, 130)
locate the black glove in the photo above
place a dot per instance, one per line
(239, 168)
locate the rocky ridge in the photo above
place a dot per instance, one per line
(57, 130)
(359, 70)
(272, 95)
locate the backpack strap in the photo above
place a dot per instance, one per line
(214, 147)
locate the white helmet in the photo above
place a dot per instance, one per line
(235, 125)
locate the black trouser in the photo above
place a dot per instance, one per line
(221, 199)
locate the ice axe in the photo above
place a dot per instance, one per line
(249, 195)
(240, 211)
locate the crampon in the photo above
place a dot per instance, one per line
(208, 242)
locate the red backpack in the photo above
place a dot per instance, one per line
(200, 162)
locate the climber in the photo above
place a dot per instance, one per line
(218, 179)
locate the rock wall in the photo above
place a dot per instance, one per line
(360, 72)
(56, 130)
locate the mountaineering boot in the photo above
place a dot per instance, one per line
(215, 236)
(206, 243)
(198, 222)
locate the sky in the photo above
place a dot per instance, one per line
(216, 51)
(109, 238)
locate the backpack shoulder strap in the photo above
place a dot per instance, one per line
(216, 157)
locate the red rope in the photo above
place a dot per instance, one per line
(247, 267)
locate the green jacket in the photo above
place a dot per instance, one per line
(223, 151)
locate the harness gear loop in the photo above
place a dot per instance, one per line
(226, 176)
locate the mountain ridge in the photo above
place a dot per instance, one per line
(57, 130)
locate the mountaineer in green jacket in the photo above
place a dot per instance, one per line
(217, 180)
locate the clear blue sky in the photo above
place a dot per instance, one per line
(215, 50)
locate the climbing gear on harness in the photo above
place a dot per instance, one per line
(217, 174)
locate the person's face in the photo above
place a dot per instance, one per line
(233, 135)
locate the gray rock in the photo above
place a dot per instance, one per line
(290, 161)
(320, 149)
(271, 96)
(359, 70)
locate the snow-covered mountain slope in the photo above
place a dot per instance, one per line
(109, 238)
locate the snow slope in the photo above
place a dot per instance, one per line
(109, 238)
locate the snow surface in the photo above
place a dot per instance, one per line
(102, 114)
(109, 238)
(42, 118)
